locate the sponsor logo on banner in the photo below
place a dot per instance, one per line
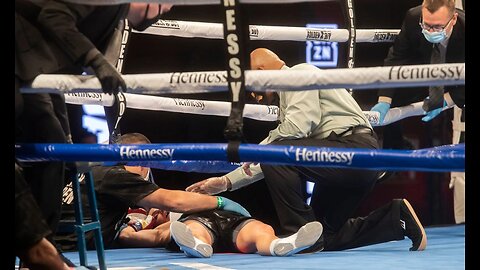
(426, 72)
(321, 53)
(91, 95)
(253, 31)
(235, 84)
(303, 154)
(67, 197)
(198, 77)
(384, 36)
(322, 35)
(167, 24)
(190, 103)
(123, 46)
(352, 32)
(272, 110)
(128, 152)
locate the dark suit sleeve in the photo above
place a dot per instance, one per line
(456, 54)
(59, 21)
(403, 50)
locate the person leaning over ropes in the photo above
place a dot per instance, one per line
(322, 118)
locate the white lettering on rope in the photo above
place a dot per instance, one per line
(324, 156)
(127, 152)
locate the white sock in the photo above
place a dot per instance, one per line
(306, 236)
(291, 239)
(272, 246)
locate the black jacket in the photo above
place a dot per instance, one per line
(57, 35)
(411, 48)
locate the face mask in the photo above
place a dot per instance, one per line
(434, 37)
(147, 22)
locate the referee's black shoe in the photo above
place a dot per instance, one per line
(412, 226)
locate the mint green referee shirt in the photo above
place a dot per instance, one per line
(306, 114)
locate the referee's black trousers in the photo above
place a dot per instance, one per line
(337, 194)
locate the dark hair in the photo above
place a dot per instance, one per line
(133, 138)
(434, 5)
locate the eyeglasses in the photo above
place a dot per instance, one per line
(435, 28)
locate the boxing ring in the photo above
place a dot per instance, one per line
(445, 250)
(446, 245)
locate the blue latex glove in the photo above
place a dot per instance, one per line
(230, 205)
(433, 113)
(382, 108)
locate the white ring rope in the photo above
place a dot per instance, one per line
(263, 32)
(185, 2)
(180, 105)
(261, 80)
(221, 108)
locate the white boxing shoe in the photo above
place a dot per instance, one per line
(304, 238)
(191, 246)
